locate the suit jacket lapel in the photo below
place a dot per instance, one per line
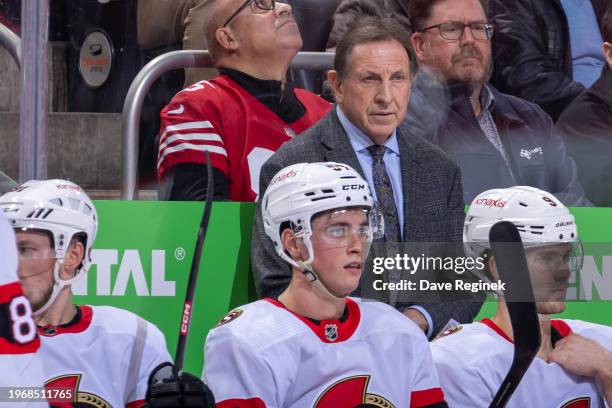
(335, 139)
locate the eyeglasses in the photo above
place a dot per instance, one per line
(264, 5)
(453, 30)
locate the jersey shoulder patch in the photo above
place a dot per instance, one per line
(233, 315)
(449, 331)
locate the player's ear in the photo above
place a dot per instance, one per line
(291, 245)
(492, 272)
(73, 258)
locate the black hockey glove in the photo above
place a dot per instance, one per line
(184, 391)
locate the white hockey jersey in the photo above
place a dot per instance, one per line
(104, 355)
(473, 360)
(19, 362)
(263, 355)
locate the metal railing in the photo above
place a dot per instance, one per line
(11, 42)
(134, 100)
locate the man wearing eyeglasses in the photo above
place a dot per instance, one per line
(242, 116)
(496, 139)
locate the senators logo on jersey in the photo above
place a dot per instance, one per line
(582, 402)
(351, 392)
(72, 397)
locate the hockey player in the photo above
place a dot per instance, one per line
(104, 355)
(19, 342)
(573, 367)
(315, 346)
(243, 115)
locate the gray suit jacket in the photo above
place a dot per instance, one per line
(433, 203)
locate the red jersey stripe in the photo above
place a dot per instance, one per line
(427, 397)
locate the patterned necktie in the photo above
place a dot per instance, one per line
(384, 194)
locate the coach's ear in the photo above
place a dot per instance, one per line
(333, 78)
(292, 245)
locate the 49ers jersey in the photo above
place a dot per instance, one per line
(104, 356)
(473, 360)
(263, 355)
(20, 363)
(239, 132)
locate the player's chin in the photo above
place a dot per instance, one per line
(350, 284)
(37, 302)
(551, 307)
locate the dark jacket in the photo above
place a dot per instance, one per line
(445, 117)
(532, 54)
(433, 205)
(586, 127)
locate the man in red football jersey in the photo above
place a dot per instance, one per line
(242, 116)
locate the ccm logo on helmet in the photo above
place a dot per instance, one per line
(338, 167)
(353, 187)
(283, 177)
(490, 202)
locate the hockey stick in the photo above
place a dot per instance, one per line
(193, 274)
(511, 263)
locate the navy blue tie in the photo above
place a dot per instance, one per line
(384, 194)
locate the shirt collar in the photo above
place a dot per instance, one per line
(359, 140)
(280, 100)
(258, 87)
(79, 323)
(487, 100)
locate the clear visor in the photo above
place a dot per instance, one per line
(567, 256)
(551, 268)
(34, 244)
(28, 253)
(345, 227)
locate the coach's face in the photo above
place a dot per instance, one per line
(466, 59)
(374, 92)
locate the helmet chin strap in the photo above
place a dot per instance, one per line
(312, 276)
(544, 318)
(58, 285)
(306, 268)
